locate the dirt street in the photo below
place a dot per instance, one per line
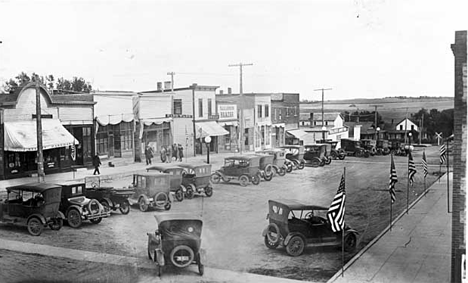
(234, 218)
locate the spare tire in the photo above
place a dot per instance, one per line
(182, 256)
(94, 207)
(273, 234)
(160, 199)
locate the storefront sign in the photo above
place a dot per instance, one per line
(227, 111)
(178, 116)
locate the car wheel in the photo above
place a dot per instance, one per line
(179, 195)
(272, 236)
(208, 191)
(143, 205)
(35, 226)
(167, 206)
(74, 218)
(96, 220)
(160, 199)
(215, 178)
(190, 191)
(256, 179)
(289, 167)
(366, 154)
(106, 205)
(342, 156)
(182, 256)
(244, 180)
(296, 246)
(268, 175)
(350, 242)
(269, 244)
(328, 161)
(281, 171)
(301, 164)
(125, 207)
(57, 224)
(334, 155)
(315, 162)
(94, 207)
(322, 163)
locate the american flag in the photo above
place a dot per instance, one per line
(424, 164)
(336, 211)
(393, 180)
(411, 169)
(443, 152)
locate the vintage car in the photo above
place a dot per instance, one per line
(295, 154)
(245, 169)
(383, 147)
(77, 207)
(315, 155)
(176, 242)
(295, 225)
(265, 165)
(152, 189)
(335, 153)
(279, 158)
(196, 178)
(111, 198)
(354, 148)
(34, 205)
(176, 172)
(369, 145)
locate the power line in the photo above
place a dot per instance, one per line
(240, 65)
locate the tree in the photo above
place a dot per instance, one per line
(435, 121)
(62, 85)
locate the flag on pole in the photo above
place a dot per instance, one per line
(411, 169)
(336, 211)
(393, 180)
(443, 152)
(424, 164)
(73, 152)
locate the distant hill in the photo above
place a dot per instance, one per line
(390, 107)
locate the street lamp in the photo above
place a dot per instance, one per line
(207, 141)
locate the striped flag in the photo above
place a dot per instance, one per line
(73, 152)
(443, 153)
(393, 180)
(424, 164)
(411, 169)
(336, 211)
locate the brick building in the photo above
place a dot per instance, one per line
(459, 49)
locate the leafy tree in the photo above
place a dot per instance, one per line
(435, 121)
(62, 85)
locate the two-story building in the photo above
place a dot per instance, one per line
(67, 131)
(284, 117)
(330, 126)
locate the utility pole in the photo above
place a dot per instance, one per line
(421, 128)
(323, 123)
(172, 104)
(375, 120)
(40, 156)
(241, 104)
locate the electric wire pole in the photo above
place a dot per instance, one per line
(172, 104)
(241, 104)
(323, 123)
(375, 121)
(40, 156)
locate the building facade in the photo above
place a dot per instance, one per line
(285, 109)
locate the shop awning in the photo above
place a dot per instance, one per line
(210, 128)
(21, 135)
(299, 134)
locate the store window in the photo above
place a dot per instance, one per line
(267, 111)
(178, 106)
(200, 107)
(209, 107)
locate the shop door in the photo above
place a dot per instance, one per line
(111, 145)
(117, 146)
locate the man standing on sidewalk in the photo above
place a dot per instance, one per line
(96, 164)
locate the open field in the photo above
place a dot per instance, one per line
(391, 108)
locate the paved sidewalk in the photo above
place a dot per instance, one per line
(416, 249)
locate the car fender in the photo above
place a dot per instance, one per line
(290, 235)
(202, 253)
(109, 201)
(61, 215)
(264, 232)
(171, 197)
(145, 198)
(351, 231)
(80, 208)
(160, 257)
(37, 215)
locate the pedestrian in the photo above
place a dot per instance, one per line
(175, 152)
(168, 154)
(148, 154)
(96, 164)
(163, 154)
(181, 152)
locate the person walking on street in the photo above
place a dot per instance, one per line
(163, 154)
(96, 164)
(175, 152)
(148, 154)
(181, 152)
(168, 154)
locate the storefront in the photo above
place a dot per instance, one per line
(209, 128)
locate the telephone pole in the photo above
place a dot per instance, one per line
(323, 123)
(241, 104)
(172, 90)
(40, 156)
(375, 120)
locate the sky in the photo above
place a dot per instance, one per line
(358, 48)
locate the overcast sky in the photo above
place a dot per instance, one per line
(358, 48)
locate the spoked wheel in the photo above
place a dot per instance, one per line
(301, 164)
(190, 191)
(316, 162)
(124, 207)
(96, 220)
(296, 246)
(334, 155)
(57, 224)
(179, 195)
(35, 226)
(268, 173)
(208, 191)
(281, 171)
(143, 205)
(215, 178)
(350, 242)
(256, 179)
(74, 218)
(328, 161)
(244, 180)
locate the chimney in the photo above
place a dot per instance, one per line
(167, 85)
(221, 91)
(229, 90)
(159, 86)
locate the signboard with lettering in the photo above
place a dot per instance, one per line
(227, 111)
(178, 116)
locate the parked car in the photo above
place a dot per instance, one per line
(265, 166)
(176, 242)
(34, 205)
(383, 147)
(245, 169)
(152, 190)
(354, 148)
(111, 198)
(315, 155)
(370, 146)
(196, 178)
(77, 207)
(295, 153)
(295, 225)
(176, 172)
(279, 158)
(335, 153)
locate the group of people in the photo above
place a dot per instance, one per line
(168, 154)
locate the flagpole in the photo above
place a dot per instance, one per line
(448, 178)
(407, 185)
(391, 212)
(342, 235)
